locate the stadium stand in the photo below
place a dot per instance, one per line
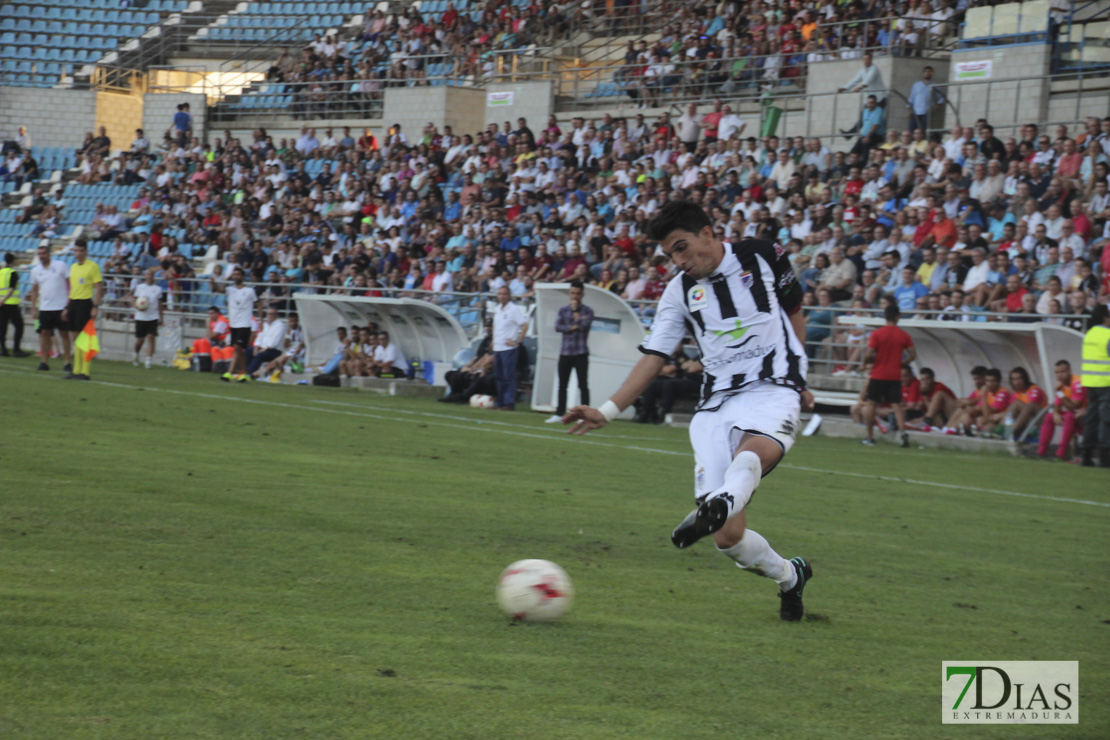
(44, 42)
(328, 210)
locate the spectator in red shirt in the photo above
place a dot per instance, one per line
(887, 350)
(940, 401)
(1015, 294)
(655, 286)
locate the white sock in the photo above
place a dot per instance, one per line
(754, 554)
(741, 479)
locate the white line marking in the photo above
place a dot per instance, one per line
(549, 430)
(491, 427)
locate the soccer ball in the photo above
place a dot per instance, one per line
(142, 303)
(480, 401)
(534, 591)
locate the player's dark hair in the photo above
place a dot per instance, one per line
(675, 216)
(9, 258)
(994, 373)
(979, 370)
(927, 372)
(1099, 314)
(892, 312)
(577, 284)
(1065, 363)
(1023, 373)
(907, 368)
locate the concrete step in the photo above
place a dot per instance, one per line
(393, 387)
(825, 382)
(845, 428)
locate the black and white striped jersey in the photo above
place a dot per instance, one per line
(740, 317)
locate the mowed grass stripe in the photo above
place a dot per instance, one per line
(331, 575)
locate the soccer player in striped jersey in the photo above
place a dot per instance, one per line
(742, 304)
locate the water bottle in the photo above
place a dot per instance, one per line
(1008, 427)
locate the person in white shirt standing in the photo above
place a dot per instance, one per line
(49, 297)
(729, 125)
(509, 327)
(146, 299)
(270, 343)
(241, 300)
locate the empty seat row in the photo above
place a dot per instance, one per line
(23, 26)
(38, 12)
(223, 33)
(13, 67)
(156, 6)
(74, 56)
(301, 8)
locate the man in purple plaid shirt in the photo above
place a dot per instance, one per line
(573, 323)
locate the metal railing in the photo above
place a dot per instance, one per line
(192, 296)
(842, 347)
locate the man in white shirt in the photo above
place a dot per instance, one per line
(241, 300)
(955, 144)
(442, 281)
(270, 343)
(49, 297)
(389, 361)
(689, 127)
(307, 142)
(868, 81)
(509, 327)
(729, 125)
(148, 318)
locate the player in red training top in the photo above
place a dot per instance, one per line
(1067, 411)
(887, 350)
(967, 408)
(994, 401)
(912, 402)
(940, 401)
(1027, 402)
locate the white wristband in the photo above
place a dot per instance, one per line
(609, 410)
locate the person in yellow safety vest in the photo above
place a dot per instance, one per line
(9, 309)
(1095, 377)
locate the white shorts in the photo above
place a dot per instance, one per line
(768, 410)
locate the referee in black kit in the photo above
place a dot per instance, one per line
(573, 323)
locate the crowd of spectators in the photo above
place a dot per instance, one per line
(959, 225)
(344, 77)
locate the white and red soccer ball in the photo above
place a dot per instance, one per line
(482, 401)
(534, 591)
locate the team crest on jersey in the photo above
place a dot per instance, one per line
(746, 280)
(697, 298)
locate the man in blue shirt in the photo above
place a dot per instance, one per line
(183, 120)
(906, 294)
(924, 97)
(872, 128)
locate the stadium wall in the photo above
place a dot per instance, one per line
(159, 108)
(120, 114)
(843, 110)
(54, 117)
(1018, 92)
(462, 109)
(535, 101)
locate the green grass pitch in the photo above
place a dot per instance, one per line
(182, 558)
